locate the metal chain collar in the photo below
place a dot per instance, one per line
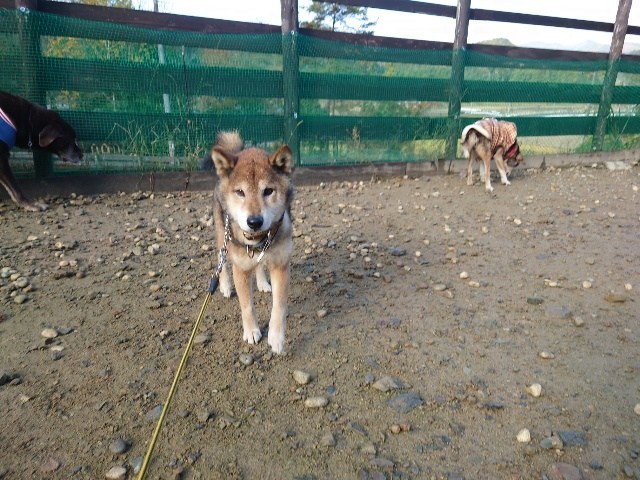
(222, 253)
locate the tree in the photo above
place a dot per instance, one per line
(504, 42)
(339, 18)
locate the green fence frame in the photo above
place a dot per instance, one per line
(38, 75)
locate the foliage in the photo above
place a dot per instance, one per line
(339, 18)
(503, 42)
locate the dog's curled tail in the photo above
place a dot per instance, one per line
(471, 136)
(230, 141)
(469, 140)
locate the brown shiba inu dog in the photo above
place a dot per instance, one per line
(252, 208)
(491, 139)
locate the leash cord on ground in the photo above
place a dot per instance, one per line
(213, 286)
(165, 407)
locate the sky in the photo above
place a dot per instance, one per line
(427, 27)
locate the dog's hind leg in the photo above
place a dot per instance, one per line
(261, 279)
(470, 170)
(473, 158)
(485, 174)
(469, 146)
(501, 168)
(244, 288)
(278, 322)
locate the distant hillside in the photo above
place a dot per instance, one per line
(630, 48)
(503, 42)
(589, 46)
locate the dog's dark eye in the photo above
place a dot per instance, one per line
(240, 193)
(267, 191)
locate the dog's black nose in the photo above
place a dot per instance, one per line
(255, 222)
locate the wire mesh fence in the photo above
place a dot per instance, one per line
(145, 99)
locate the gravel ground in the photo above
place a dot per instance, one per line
(430, 324)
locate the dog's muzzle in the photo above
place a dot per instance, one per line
(511, 155)
(72, 154)
(255, 223)
(253, 236)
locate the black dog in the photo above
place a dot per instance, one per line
(28, 125)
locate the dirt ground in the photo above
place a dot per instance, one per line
(422, 310)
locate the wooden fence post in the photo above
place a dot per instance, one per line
(615, 52)
(291, 75)
(32, 88)
(457, 77)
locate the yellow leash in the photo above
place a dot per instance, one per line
(213, 285)
(174, 385)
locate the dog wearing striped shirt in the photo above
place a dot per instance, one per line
(489, 139)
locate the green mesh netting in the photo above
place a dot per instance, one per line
(143, 99)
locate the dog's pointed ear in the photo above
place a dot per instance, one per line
(48, 135)
(282, 160)
(223, 161)
(206, 162)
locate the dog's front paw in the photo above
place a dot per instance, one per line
(470, 180)
(225, 289)
(261, 279)
(34, 206)
(263, 285)
(252, 336)
(225, 286)
(506, 182)
(276, 340)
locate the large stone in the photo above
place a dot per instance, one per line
(405, 402)
(564, 471)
